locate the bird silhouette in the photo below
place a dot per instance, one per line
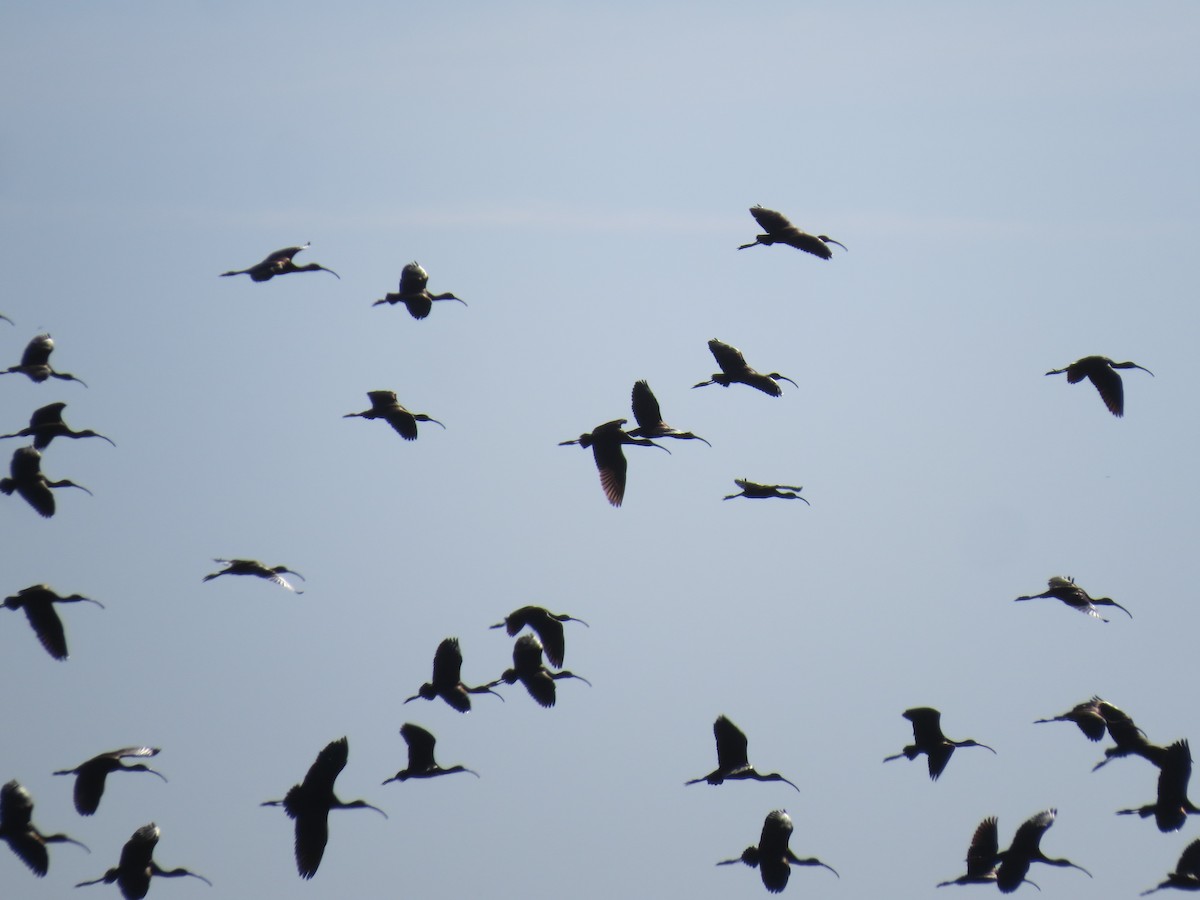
(649, 417)
(90, 775)
(755, 491)
(27, 479)
(605, 441)
(733, 763)
(47, 423)
(18, 830)
(280, 263)
(983, 856)
(413, 293)
(35, 362)
(773, 857)
(136, 866)
(309, 804)
(1171, 807)
(928, 739)
(1101, 371)
(1066, 590)
(421, 763)
(1086, 715)
(531, 672)
(780, 231)
(38, 602)
(1025, 849)
(548, 626)
(385, 406)
(734, 369)
(1129, 739)
(1186, 876)
(447, 679)
(254, 567)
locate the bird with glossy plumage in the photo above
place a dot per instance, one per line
(529, 669)
(38, 601)
(35, 362)
(253, 567)
(1171, 806)
(983, 856)
(136, 866)
(779, 230)
(1086, 716)
(19, 832)
(735, 370)
(772, 856)
(280, 263)
(648, 415)
(47, 423)
(28, 481)
(929, 740)
(384, 405)
(733, 761)
(547, 625)
(606, 442)
(90, 776)
(1186, 876)
(1066, 590)
(447, 680)
(1025, 850)
(1129, 739)
(755, 491)
(421, 762)
(1101, 372)
(414, 294)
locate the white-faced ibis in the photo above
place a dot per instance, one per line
(982, 856)
(1186, 876)
(257, 569)
(531, 672)
(90, 776)
(309, 804)
(35, 362)
(26, 479)
(780, 231)
(548, 626)
(1066, 590)
(773, 857)
(38, 602)
(1025, 849)
(447, 680)
(384, 405)
(1129, 739)
(47, 423)
(928, 739)
(648, 415)
(413, 293)
(733, 762)
(605, 441)
(755, 491)
(136, 867)
(1086, 715)
(1100, 370)
(421, 763)
(735, 370)
(1171, 807)
(18, 830)
(280, 263)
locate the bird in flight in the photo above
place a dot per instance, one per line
(781, 231)
(1101, 372)
(928, 739)
(413, 293)
(384, 405)
(733, 762)
(280, 263)
(257, 569)
(605, 441)
(772, 856)
(1066, 590)
(734, 370)
(35, 362)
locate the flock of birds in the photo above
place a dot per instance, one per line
(537, 657)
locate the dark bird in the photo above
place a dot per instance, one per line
(1129, 739)
(531, 672)
(780, 231)
(773, 857)
(1172, 806)
(413, 293)
(385, 406)
(254, 567)
(1100, 370)
(1186, 876)
(734, 369)
(982, 856)
(605, 441)
(421, 763)
(47, 423)
(733, 763)
(309, 804)
(38, 602)
(548, 626)
(755, 491)
(27, 480)
(1086, 715)
(1066, 590)
(649, 417)
(447, 679)
(1026, 849)
(137, 866)
(90, 775)
(17, 828)
(280, 263)
(35, 362)
(928, 739)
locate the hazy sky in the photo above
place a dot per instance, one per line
(1017, 188)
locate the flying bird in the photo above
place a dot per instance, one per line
(1171, 807)
(35, 362)
(254, 567)
(413, 293)
(734, 369)
(605, 441)
(447, 679)
(385, 406)
(91, 775)
(983, 856)
(1086, 715)
(18, 830)
(1101, 371)
(546, 624)
(38, 602)
(1186, 876)
(1026, 849)
(1066, 590)
(773, 857)
(1129, 739)
(531, 672)
(26, 479)
(928, 739)
(780, 231)
(755, 491)
(136, 867)
(733, 763)
(309, 804)
(421, 763)
(47, 423)
(649, 417)
(280, 263)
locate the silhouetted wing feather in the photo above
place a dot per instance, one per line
(1108, 383)
(31, 851)
(610, 461)
(328, 765)
(732, 745)
(645, 406)
(447, 664)
(413, 279)
(48, 627)
(775, 875)
(939, 756)
(1189, 860)
(541, 688)
(729, 358)
(403, 422)
(39, 496)
(312, 834)
(419, 305)
(1029, 835)
(926, 724)
(985, 847)
(776, 832)
(550, 631)
(420, 746)
(772, 222)
(37, 351)
(50, 414)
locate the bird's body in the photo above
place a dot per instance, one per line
(983, 856)
(309, 804)
(755, 491)
(90, 775)
(1066, 590)
(772, 856)
(136, 867)
(35, 362)
(414, 294)
(1101, 372)
(1129, 739)
(254, 567)
(27, 480)
(384, 405)
(605, 441)
(280, 263)
(1026, 849)
(1186, 876)
(781, 231)
(1086, 715)
(928, 739)
(1171, 806)
(47, 423)
(734, 369)
(547, 625)
(733, 761)
(38, 603)
(648, 415)
(447, 680)
(19, 832)
(421, 762)
(529, 669)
